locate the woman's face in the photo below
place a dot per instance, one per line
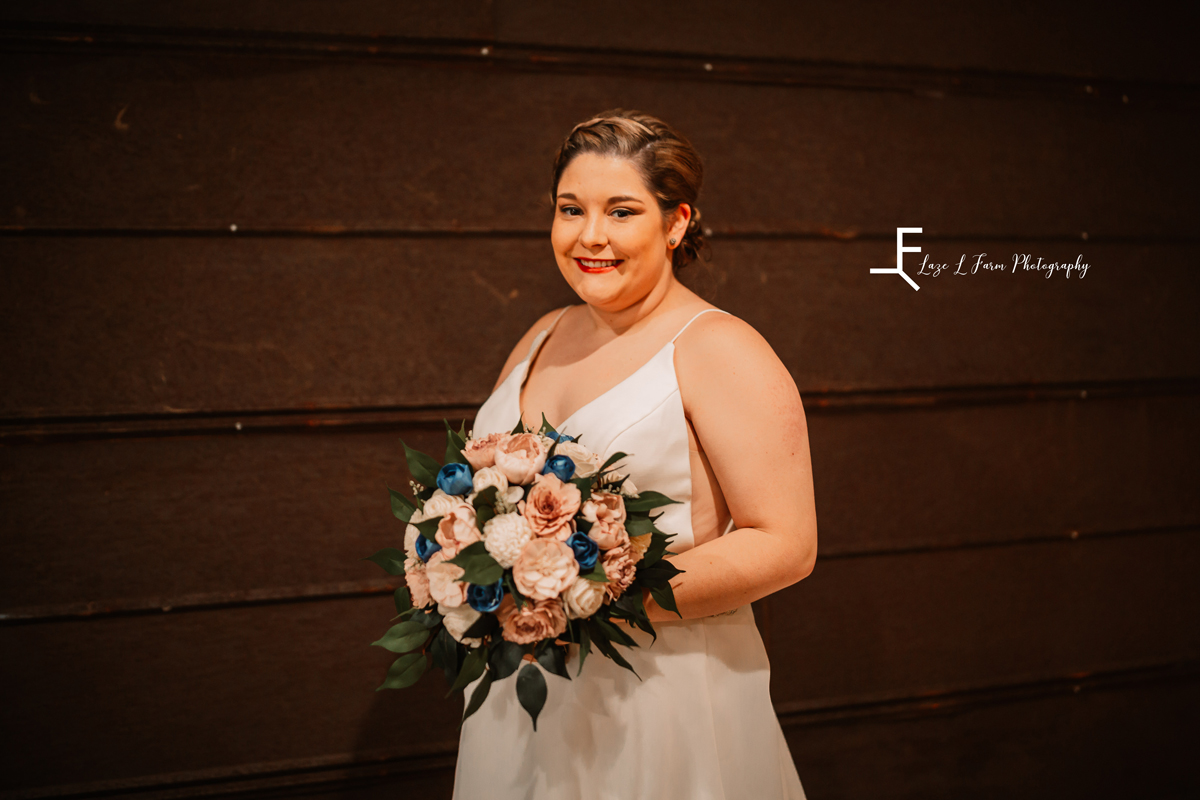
(609, 237)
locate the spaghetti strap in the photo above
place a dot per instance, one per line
(693, 319)
(541, 337)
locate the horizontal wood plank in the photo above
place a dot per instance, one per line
(200, 143)
(1133, 741)
(867, 629)
(1067, 38)
(103, 326)
(195, 691)
(151, 519)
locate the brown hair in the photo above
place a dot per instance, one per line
(668, 163)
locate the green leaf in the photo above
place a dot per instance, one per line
(531, 691)
(518, 598)
(639, 525)
(596, 573)
(428, 528)
(658, 573)
(445, 654)
(553, 657)
(585, 646)
(485, 507)
(478, 696)
(606, 647)
(635, 608)
(429, 618)
(505, 658)
(478, 565)
(423, 468)
(519, 427)
(402, 507)
(658, 546)
(472, 668)
(454, 445)
(585, 487)
(391, 559)
(614, 458)
(405, 671)
(483, 626)
(405, 636)
(614, 633)
(546, 428)
(403, 599)
(665, 597)
(647, 501)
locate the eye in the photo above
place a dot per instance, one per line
(571, 211)
(622, 213)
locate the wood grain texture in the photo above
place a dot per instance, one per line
(190, 691)
(125, 325)
(1128, 742)
(1068, 38)
(166, 517)
(863, 629)
(178, 142)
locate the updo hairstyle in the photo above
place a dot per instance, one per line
(668, 164)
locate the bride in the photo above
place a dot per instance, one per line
(709, 416)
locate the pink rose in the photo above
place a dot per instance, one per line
(418, 581)
(457, 530)
(620, 571)
(444, 586)
(535, 621)
(521, 457)
(481, 453)
(606, 512)
(545, 568)
(550, 507)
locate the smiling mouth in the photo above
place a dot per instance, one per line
(598, 264)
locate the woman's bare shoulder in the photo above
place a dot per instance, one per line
(724, 355)
(522, 347)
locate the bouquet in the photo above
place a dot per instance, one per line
(520, 544)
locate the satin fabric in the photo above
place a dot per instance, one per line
(699, 725)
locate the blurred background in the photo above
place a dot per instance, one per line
(248, 246)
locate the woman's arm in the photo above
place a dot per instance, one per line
(747, 415)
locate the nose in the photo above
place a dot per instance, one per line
(593, 235)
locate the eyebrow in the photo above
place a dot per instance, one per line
(621, 198)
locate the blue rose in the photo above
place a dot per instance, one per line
(586, 550)
(485, 598)
(455, 478)
(559, 437)
(426, 548)
(561, 466)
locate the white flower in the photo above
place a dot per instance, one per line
(439, 505)
(583, 598)
(504, 536)
(506, 503)
(490, 476)
(628, 489)
(586, 462)
(458, 620)
(547, 442)
(410, 539)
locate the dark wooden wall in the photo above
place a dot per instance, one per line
(248, 245)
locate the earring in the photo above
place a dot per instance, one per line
(672, 242)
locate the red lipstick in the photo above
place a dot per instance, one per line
(598, 265)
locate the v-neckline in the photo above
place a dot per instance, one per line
(528, 363)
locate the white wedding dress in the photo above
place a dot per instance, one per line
(700, 724)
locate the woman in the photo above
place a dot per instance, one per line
(710, 417)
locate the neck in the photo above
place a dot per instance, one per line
(664, 295)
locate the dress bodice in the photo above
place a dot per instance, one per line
(641, 416)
